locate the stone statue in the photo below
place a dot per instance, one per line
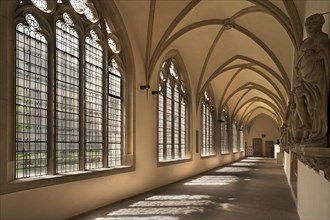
(311, 86)
(288, 128)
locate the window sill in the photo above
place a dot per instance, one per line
(171, 162)
(208, 156)
(225, 153)
(48, 180)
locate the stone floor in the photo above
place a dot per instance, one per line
(253, 188)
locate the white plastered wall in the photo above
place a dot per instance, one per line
(313, 200)
(263, 125)
(286, 163)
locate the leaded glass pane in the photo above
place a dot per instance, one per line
(31, 102)
(80, 7)
(173, 71)
(235, 147)
(241, 140)
(224, 134)
(67, 98)
(211, 132)
(172, 124)
(67, 19)
(114, 68)
(183, 130)
(30, 19)
(41, 4)
(114, 120)
(207, 128)
(113, 46)
(176, 122)
(93, 103)
(203, 128)
(107, 27)
(168, 121)
(161, 126)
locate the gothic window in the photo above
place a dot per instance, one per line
(115, 117)
(235, 137)
(93, 101)
(241, 141)
(67, 96)
(207, 116)
(172, 114)
(31, 99)
(69, 90)
(224, 133)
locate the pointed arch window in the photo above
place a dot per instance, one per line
(207, 115)
(172, 114)
(93, 101)
(67, 96)
(69, 90)
(241, 136)
(235, 137)
(115, 115)
(224, 133)
(31, 99)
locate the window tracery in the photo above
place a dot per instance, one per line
(40, 4)
(85, 136)
(207, 126)
(235, 146)
(241, 132)
(224, 132)
(172, 114)
(31, 100)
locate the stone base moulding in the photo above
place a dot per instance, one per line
(317, 158)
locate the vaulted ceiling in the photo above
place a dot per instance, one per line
(242, 50)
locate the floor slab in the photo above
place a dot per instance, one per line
(253, 188)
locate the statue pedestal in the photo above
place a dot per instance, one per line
(318, 158)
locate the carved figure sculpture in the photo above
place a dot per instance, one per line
(289, 126)
(312, 84)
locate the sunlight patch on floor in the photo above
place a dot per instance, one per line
(178, 197)
(233, 169)
(174, 203)
(243, 164)
(213, 180)
(161, 207)
(157, 211)
(140, 218)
